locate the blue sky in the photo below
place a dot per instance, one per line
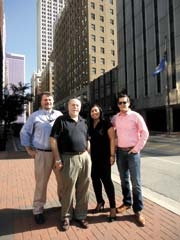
(20, 18)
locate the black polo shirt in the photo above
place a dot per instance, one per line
(71, 136)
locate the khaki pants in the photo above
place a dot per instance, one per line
(76, 175)
(43, 166)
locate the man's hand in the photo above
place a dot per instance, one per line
(31, 152)
(59, 164)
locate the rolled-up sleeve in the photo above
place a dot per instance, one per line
(26, 132)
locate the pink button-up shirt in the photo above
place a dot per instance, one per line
(131, 130)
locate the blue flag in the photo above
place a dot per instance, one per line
(160, 67)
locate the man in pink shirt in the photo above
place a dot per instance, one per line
(132, 135)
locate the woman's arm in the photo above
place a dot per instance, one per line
(111, 134)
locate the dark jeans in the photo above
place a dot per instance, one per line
(129, 168)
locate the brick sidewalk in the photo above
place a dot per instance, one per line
(17, 223)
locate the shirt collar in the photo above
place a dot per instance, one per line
(47, 112)
(125, 113)
(79, 117)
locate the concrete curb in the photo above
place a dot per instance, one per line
(157, 198)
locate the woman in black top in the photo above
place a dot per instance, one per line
(102, 138)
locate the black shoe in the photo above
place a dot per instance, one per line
(39, 218)
(112, 216)
(65, 224)
(111, 219)
(99, 207)
(82, 223)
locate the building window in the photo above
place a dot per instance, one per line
(93, 26)
(93, 37)
(101, 28)
(111, 11)
(102, 71)
(93, 5)
(111, 1)
(101, 8)
(101, 18)
(102, 39)
(94, 70)
(113, 63)
(112, 31)
(102, 60)
(111, 21)
(93, 48)
(112, 42)
(93, 16)
(102, 50)
(112, 52)
(93, 59)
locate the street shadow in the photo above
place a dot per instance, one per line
(105, 210)
(100, 218)
(104, 214)
(14, 221)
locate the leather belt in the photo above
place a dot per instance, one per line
(125, 149)
(73, 153)
(44, 150)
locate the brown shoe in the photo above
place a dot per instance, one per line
(140, 218)
(122, 208)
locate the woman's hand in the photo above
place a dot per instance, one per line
(112, 159)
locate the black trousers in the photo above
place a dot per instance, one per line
(101, 175)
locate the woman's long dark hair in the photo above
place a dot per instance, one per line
(101, 117)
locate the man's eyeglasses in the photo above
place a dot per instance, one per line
(120, 103)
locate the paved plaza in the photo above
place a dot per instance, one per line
(17, 222)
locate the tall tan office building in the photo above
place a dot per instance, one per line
(85, 45)
(47, 12)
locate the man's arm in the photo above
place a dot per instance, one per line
(55, 152)
(30, 151)
(143, 134)
(88, 148)
(26, 135)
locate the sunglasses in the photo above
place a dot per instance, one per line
(120, 103)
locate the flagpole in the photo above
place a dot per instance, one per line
(168, 114)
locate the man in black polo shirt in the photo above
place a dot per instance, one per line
(70, 146)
